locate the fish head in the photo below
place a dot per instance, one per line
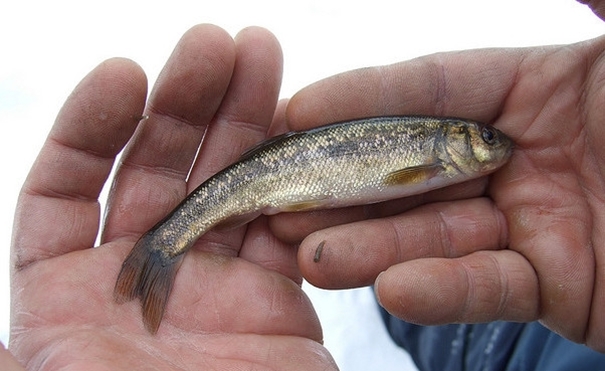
(477, 148)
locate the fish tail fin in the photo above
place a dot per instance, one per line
(148, 274)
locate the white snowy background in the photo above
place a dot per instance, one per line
(47, 46)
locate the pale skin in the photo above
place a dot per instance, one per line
(525, 244)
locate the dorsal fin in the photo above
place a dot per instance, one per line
(266, 143)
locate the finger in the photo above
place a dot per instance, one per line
(353, 255)
(597, 6)
(278, 123)
(7, 361)
(480, 287)
(294, 227)
(466, 84)
(249, 105)
(57, 210)
(552, 227)
(264, 249)
(242, 120)
(152, 175)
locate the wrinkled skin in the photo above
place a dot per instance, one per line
(237, 302)
(527, 243)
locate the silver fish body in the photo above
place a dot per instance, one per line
(343, 164)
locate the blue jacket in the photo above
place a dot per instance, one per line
(496, 346)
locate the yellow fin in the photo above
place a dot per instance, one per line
(412, 175)
(236, 221)
(302, 206)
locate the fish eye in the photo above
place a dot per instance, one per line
(489, 135)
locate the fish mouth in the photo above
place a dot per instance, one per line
(507, 153)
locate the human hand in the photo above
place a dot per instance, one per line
(7, 361)
(237, 301)
(597, 6)
(526, 244)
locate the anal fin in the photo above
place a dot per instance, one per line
(303, 206)
(236, 221)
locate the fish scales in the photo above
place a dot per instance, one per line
(334, 164)
(356, 162)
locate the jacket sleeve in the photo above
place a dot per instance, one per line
(495, 346)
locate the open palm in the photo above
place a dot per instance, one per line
(526, 244)
(237, 302)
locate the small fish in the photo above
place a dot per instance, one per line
(343, 164)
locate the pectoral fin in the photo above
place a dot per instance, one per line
(412, 175)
